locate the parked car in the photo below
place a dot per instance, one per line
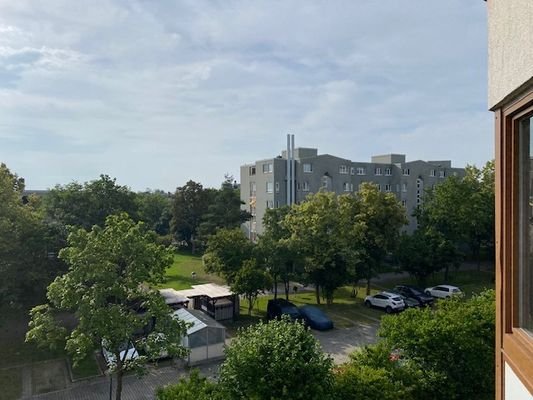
(126, 353)
(443, 291)
(409, 301)
(278, 307)
(315, 318)
(388, 301)
(415, 293)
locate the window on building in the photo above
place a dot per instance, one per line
(432, 172)
(270, 204)
(277, 187)
(404, 203)
(454, 173)
(525, 212)
(267, 168)
(388, 187)
(269, 187)
(378, 171)
(404, 187)
(346, 186)
(379, 187)
(251, 171)
(253, 189)
(308, 167)
(406, 171)
(442, 174)
(361, 171)
(388, 171)
(398, 188)
(305, 186)
(277, 203)
(352, 170)
(343, 169)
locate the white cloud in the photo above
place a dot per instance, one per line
(156, 93)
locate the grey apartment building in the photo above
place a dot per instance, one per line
(266, 183)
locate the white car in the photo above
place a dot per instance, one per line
(389, 301)
(125, 354)
(443, 291)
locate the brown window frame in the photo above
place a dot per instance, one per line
(514, 346)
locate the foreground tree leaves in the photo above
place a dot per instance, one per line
(106, 288)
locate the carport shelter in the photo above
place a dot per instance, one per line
(205, 337)
(217, 301)
(174, 299)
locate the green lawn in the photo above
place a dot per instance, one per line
(178, 276)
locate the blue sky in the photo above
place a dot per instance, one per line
(156, 93)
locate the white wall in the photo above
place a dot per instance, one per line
(514, 389)
(510, 24)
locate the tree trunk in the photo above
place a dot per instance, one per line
(286, 283)
(368, 277)
(275, 286)
(120, 373)
(354, 289)
(250, 305)
(317, 293)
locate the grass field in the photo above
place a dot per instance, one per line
(345, 311)
(178, 276)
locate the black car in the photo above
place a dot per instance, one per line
(315, 318)
(415, 293)
(278, 307)
(409, 301)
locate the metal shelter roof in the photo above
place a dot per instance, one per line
(209, 289)
(197, 318)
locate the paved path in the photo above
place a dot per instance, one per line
(338, 343)
(133, 388)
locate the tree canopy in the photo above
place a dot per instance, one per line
(105, 287)
(277, 360)
(25, 267)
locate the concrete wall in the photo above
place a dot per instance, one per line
(514, 389)
(510, 27)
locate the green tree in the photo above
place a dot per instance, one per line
(250, 280)
(480, 223)
(24, 266)
(189, 207)
(453, 345)
(223, 212)
(89, 204)
(278, 360)
(226, 252)
(106, 288)
(274, 250)
(380, 218)
(154, 209)
(375, 372)
(316, 230)
(424, 252)
(194, 388)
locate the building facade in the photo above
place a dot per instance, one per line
(510, 92)
(290, 178)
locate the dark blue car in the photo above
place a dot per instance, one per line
(315, 318)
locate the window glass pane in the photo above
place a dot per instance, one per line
(525, 277)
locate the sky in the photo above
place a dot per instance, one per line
(155, 93)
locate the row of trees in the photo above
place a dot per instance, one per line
(34, 229)
(456, 218)
(446, 353)
(328, 241)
